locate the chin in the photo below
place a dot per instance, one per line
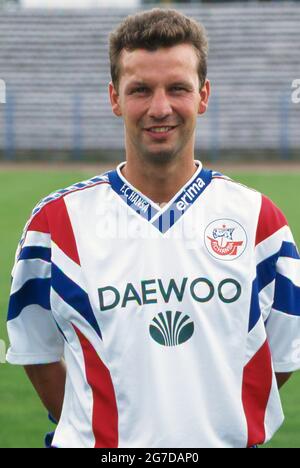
(160, 157)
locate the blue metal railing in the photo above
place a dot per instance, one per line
(215, 129)
(284, 134)
(77, 127)
(9, 123)
(213, 139)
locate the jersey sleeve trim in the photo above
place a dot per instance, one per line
(31, 359)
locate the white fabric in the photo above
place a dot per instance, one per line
(187, 394)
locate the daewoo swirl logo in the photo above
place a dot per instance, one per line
(171, 329)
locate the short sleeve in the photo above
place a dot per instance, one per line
(33, 334)
(278, 273)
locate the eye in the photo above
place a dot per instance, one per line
(178, 88)
(140, 89)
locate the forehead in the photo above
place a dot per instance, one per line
(178, 62)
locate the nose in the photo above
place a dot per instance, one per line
(160, 106)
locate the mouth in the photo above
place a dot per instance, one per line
(160, 132)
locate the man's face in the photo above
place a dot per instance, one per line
(159, 100)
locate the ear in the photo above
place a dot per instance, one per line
(114, 100)
(204, 96)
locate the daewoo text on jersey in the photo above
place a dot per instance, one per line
(172, 321)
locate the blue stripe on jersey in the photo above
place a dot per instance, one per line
(132, 198)
(184, 201)
(287, 296)
(30, 253)
(62, 191)
(266, 271)
(163, 219)
(289, 249)
(73, 295)
(172, 218)
(34, 291)
(101, 178)
(167, 219)
(255, 312)
(72, 188)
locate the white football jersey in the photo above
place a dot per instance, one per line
(172, 320)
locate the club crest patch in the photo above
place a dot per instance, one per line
(225, 239)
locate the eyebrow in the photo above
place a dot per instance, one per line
(175, 83)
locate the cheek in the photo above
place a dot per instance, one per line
(133, 110)
(187, 108)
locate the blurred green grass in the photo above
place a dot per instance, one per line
(23, 420)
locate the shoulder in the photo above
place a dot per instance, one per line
(78, 187)
(271, 220)
(53, 204)
(227, 183)
(270, 216)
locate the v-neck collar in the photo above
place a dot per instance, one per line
(161, 218)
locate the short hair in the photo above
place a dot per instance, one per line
(153, 29)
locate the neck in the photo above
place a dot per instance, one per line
(157, 182)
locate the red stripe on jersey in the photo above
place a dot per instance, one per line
(39, 223)
(257, 384)
(271, 219)
(61, 229)
(105, 412)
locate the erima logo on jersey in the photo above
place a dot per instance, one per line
(190, 194)
(171, 329)
(134, 198)
(155, 290)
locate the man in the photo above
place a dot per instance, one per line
(153, 305)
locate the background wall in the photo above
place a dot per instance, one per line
(55, 65)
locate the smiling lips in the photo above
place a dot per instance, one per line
(160, 131)
(161, 128)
